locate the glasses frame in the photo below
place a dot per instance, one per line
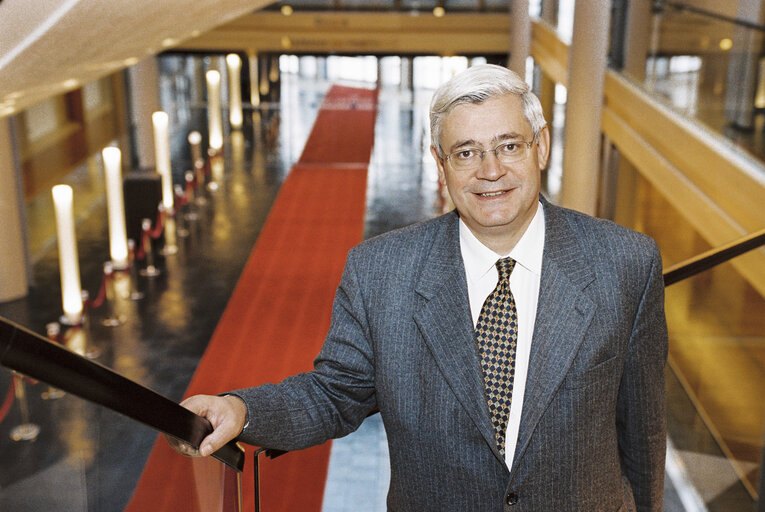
(482, 152)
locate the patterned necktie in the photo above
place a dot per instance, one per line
(497, 335)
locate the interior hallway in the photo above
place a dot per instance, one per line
(89, 459)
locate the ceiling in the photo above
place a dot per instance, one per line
(58, 45)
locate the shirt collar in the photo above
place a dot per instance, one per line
(479, 259)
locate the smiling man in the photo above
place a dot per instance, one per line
(514, 349)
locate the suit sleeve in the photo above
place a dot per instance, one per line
(641, 408)
(331, 400)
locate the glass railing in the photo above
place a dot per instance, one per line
(707, 65)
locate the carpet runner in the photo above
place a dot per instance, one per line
(279, 312)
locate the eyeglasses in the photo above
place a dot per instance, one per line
(508, 152)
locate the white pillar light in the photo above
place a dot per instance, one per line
(115, 207)
(69, 265)
(162, 156)
(234, 64)
(213, 110)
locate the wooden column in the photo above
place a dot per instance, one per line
(587, 67)
(13, 256)
(144, 96)
(520, 36)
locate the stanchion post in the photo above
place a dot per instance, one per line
(135, 293)
(256, 472)
(112, 318)
(149, 270)
(82, 335)
(192, 196)
(26, 430)
(53, 332)
(179, 217)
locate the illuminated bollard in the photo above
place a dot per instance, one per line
(69, 266)
(115, 204)
(234, 65)
(162, 156)
(214, 111)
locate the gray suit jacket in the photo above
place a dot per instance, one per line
(592, 433)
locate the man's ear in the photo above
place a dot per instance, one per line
(543, 147)
(439, 164)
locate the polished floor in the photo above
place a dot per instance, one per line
(89, 459)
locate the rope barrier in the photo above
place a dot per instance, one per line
(193, 180)
(9, 399)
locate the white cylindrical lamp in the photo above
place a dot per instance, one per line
(115, 207)
(69, 265)
(213, 110)
(162, 156)
(234, 64)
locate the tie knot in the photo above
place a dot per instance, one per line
(505, 267)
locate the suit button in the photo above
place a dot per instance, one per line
(511, 498)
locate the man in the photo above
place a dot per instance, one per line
(541, 391)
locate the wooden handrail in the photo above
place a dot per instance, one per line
(713, 257)
(33, 355)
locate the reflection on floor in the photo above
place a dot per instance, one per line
(87, 458)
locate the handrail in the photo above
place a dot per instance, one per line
(658, 6)
(713, 257)
(33, 355)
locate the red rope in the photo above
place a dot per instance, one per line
(8, 402)
(159, 225)
(146, 235)
(99, 300)
(140, 253)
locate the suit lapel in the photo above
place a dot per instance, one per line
(564, 313)
(446, 325)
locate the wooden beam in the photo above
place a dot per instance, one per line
(360, 32)
(549, 52)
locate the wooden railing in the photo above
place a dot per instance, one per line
(713, 257)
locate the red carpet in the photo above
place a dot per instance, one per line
(279, 312)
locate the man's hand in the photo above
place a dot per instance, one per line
(227, 415)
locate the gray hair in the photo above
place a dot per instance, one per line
(476, 85)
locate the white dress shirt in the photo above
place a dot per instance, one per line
(482, 278)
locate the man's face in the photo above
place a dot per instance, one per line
(496, 201)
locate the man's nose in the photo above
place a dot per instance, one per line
(490, 168)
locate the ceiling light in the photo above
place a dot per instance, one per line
(287, 10)
(439, 12)
(726, 44)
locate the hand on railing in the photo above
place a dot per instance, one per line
(227, 414)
